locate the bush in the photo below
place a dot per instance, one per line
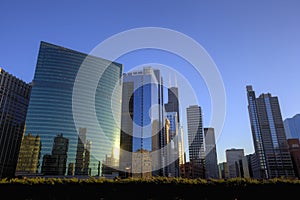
(151, 188)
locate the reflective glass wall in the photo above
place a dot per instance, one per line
(70, 147)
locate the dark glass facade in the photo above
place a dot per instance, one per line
(196, 140)
(14, 99)
(211, 160)
(50, 111)
(269, 136)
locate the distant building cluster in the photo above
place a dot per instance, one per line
(138, 133)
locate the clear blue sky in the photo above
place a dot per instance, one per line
(252, 42)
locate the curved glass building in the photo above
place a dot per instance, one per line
(66, 148)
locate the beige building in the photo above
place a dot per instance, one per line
(141, 164)
(28, 161)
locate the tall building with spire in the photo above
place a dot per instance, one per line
(173, 102)
(269, 138)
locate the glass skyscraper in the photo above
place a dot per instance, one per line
(51, 115)
(173, 145)
(173, 101)
(292, 127)
(211, 160)
(269, 136)
(142, 122)
(196, 140)
(14, 99)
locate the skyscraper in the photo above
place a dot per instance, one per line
(173, 101)
(269, 137)
(232, 157)
(28, 160)
(211, 160)
(14, 99)
(196, 140)
(292, 127)
(173, 107)
(294, 148)
(142, 120)
(52, 104)
(173, 145)
(223, 170)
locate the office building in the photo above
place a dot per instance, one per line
(173, 101)
(142, 121)
(292, 127)
(173, 145)
(232, 156)
(269, 136)
(294, 149)
(196, 140)
(181, 149)
(64, 100)
(29, 155)
(223, 170)
(14, 99)
(211, 160)
(242, 168)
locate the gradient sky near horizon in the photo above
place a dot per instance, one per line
(252, 43)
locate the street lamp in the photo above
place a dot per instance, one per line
(128, 171)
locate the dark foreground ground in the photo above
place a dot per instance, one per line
(156, 188)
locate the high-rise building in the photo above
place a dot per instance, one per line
(142, 120)
(173, 101)
(242, 168)
(292, 127)
(253, 165)
(232, 156)
(56, 104)
(181, 146)
(269, 137)
(142, 164)
(211, 160)
(196, 140)
(29, 155)
(294, 148)
(223, 170)
(14, 99)
(173, 145)
(172, 106)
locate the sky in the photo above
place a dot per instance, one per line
(251, 42)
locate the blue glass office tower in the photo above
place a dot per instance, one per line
(141, 122)
(50, 111)
(270, 144)
(292, 127)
